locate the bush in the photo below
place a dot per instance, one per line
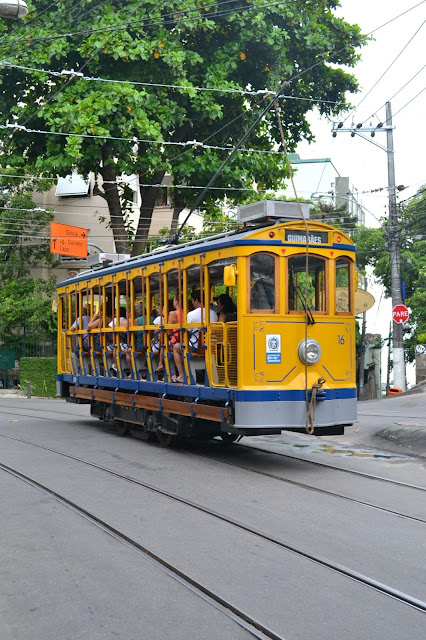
(41, 372)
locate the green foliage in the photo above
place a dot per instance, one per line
(372, 249)
(26, 310)
(339, 217)
(252, 45)
(187, 235)
(25, 301)
(21, 226)
(41, 373)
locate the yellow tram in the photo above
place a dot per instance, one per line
(284, 361)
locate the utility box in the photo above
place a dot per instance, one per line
(273, 210)
(97, 259)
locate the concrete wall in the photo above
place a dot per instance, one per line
(420, 363)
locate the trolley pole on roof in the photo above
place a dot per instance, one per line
(285, 85)
(392, 232)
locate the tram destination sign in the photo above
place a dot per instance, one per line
(314, 237)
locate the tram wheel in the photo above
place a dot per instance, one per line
(142, 434)
(121, 427)
(165, 439)
(228, 438)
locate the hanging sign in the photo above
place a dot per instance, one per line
(68, 241)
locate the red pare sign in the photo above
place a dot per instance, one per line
(400, 313)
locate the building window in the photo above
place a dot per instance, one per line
(73, 186)
(162, 197)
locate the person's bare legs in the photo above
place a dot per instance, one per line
(160, 367)
(178, 358)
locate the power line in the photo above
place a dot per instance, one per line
(190, 143)
(53, 19)
(143, 24)
(409, 102)
(141, 184)
(399, 91)
(386, 70)
(80, 76)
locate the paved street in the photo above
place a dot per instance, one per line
(311, 538)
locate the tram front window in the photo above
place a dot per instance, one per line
(262, 282)
(310, 292)
(343, 292)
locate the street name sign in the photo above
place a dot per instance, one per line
(66, 240)
(400, 314)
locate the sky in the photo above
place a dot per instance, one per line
(360, 160)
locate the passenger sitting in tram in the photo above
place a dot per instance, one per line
(197, 315)
(76, 343)
(175, 317)
(227, 310)
(111, 346)
(140, 319)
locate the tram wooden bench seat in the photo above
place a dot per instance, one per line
(139, 362)
(196, 359)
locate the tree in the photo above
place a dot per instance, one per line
(245, 44)
(25, 300)
(372, 245)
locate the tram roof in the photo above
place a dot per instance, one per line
(237, 237)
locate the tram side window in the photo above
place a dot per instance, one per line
(63, 312)
(220, 294)
(262, 282)
(310, 293)
(343, 291)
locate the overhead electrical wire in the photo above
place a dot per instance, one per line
(294, 77)
(300, 73)
(77, 75)
(409, 102)
(142, 23)
(206, 16)
(190, 143)
(399, 91)
(385, 71)
(55, 17)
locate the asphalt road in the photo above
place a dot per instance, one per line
(240, 521)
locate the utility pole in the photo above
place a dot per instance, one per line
(394, 249)
(392, 231)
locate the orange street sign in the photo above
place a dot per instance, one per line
(68, 241)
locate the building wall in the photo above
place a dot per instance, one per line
(87, 211)
(420, 363)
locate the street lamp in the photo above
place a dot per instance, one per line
(13, 9)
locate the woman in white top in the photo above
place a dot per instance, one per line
(197, 315)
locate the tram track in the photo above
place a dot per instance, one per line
(255, 627)
(268, 452)
(361, 474)
(231, 464)
(309, 487)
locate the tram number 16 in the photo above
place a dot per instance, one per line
(340, 339)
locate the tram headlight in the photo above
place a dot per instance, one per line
(311, 353)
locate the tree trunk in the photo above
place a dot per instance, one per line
(149, 197)
(176, 211)
(111, 194)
